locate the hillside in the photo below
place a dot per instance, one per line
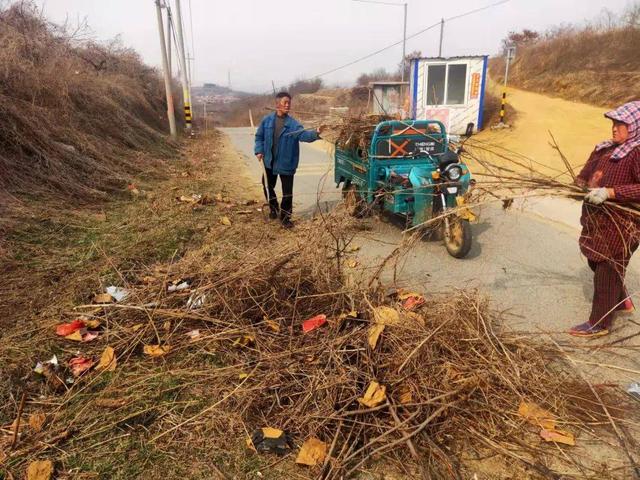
(599, 66)
(77, 118)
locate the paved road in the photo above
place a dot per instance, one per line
(314, 178)
(526, 259)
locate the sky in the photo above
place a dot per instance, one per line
(260, 41)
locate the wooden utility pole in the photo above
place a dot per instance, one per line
(167, 77)
(186, 89)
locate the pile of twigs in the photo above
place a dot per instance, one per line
(454, 379)
(353, 132)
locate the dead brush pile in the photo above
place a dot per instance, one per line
(212, 348)
(75, 116)
(353, 132)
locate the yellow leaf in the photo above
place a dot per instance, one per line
(536, 415)
(92, 323)
(36, 421)
(558, 436)
(375, 395)
(156, 350)
(218, 197)
(242, 376)
(352, 263)
(312, 452)
(167, 326)
(244, 341)
(250, 444)
(353, 248)
(269, 432)
(386, 315)
(137, 327)
(273, 325)
(102, 298)
(374, 334)
(108, 360)
(40, 470)
(75, 336)
(415, 317)
(225, 221)
(405, 396)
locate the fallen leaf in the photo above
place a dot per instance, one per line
(352, 263)
(403, 295)
(156, 350)
(273, 325)
(36, 421)
(75, 336)
(93, 323)
(557, 436)
(102, 298)
(374, 334)
(40, 470)
(352, 248)
(108, 361)
(225, 221)
(79, 365)
(313, 323)
(386, 315)
(166, 325)
(88, 336)
(244, 341)
(405, 396)
(66, 329)
(536, 415)
(137, 327)
(218, 197)
(250, 444)
(312, 452)
(353, 314)
(415, 317)
(242, 376)
(375, 395)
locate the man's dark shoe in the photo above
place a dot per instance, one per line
(273, 214)
(287, 223)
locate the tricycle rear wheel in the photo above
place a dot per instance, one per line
(353, 201)
(457, 237)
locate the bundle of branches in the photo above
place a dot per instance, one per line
(353, 132)
(74, 115)
(214, 347)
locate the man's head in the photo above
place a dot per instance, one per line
(283, 103)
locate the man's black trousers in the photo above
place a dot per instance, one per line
(287, 193)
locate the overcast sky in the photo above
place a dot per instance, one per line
(282, 40)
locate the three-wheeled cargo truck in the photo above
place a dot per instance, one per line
(409, 169)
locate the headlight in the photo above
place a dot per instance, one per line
(454, 173)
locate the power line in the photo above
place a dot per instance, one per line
(420, 32)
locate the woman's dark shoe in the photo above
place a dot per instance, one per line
(586, 330)
(287, 223)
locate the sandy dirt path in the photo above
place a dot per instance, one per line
(577, 127)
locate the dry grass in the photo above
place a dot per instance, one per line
(588, 65)
(75, 116)
(178, 414)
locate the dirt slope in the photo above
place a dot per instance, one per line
(577, 127)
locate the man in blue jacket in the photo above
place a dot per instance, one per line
(278, 146)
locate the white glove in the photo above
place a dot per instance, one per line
(597, 196)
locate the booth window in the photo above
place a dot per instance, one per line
(446, 84)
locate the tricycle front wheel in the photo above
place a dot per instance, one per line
(457, 237)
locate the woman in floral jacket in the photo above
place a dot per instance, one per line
(610, 231)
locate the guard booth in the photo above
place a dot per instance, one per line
(450, 90)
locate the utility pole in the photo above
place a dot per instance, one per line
(404, 43)
(511, 54)
(165, 69)
(441, 37)
(186, 91)
(169, 33)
